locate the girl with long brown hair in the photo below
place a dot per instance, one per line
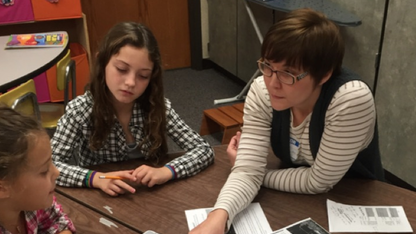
(124, 115)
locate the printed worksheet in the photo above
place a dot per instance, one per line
(249, 221)
(306, 226)
(353, 218)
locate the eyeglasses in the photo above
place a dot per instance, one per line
(284, 77)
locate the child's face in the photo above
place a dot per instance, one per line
(34, 188)
(128, 74)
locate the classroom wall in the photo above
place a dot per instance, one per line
(204, 28)
(362, 42)
(393, 80)
(396, 91)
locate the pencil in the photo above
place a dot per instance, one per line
(112, 177)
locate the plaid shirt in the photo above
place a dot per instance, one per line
(74, 130)
(49, 221)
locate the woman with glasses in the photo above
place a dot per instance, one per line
(319, 119)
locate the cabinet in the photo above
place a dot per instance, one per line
(76, 28)
(168, 21)
(248, 43)
(234, 45)
(233, 42)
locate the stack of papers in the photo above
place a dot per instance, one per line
(341, 218)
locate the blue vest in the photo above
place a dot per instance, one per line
(368, 162)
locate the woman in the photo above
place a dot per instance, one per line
(319, 119)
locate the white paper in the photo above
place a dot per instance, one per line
(249, 221)
(306, 226)
(349, 218)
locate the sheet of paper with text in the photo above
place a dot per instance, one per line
(353, 218)
(249, 221)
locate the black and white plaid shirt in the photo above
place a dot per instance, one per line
(74, 130)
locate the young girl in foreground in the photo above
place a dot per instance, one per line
(27, 178)
(124, 115)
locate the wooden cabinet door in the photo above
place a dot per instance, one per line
(168, 20)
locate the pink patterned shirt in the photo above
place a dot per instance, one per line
(49, 221)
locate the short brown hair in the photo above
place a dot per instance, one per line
(305, 39)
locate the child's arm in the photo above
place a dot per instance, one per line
(54, 220)
(65, 143)
(199, 154)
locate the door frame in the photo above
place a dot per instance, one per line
(194, 11)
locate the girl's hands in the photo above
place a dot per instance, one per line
(144, 175)
(232, 148)
(214, 224)
(150, 176)
(114, 187)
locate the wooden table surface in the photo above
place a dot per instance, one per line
(162, 208)
(87, 220)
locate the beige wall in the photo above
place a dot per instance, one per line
(204, 28)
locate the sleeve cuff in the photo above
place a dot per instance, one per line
(172, 169)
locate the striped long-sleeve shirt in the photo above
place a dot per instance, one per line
(349, 128)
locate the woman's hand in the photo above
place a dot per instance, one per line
(214, 224)
(150, 176)
(232, 148)
(114, 187)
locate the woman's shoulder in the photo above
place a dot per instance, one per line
(259, 82)
(352, 95)
(353, 89)
(258, 91)
(259, 87)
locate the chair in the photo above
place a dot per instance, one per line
(23, 99)
(65, 73)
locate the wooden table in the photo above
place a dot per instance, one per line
(87, 220)
(162, 208)
(19, 65)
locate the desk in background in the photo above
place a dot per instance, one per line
(162, 208)
(19, 65)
